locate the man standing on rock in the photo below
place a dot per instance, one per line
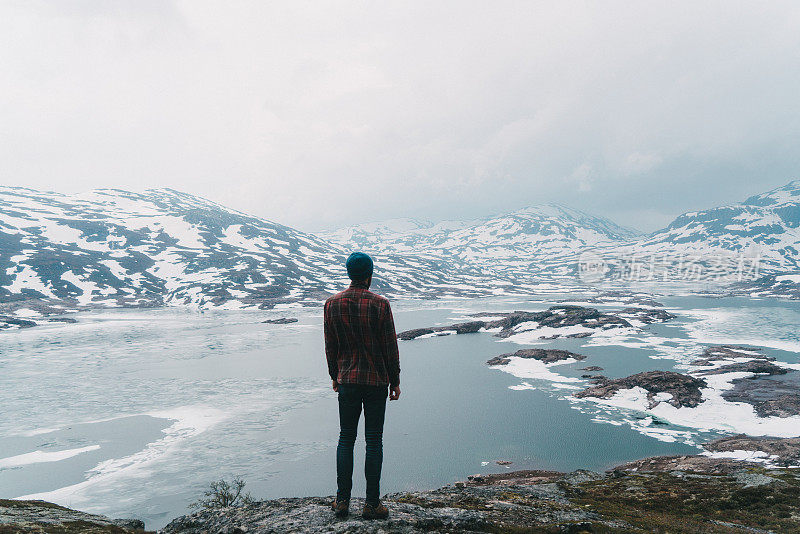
(363, 361)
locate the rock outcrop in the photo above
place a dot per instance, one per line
(729, 352)
(469, 327)
(646, 315)
(8, 322)
(42, 517)
(671, 497)
(776, 452)
(686, 463)
(281, 320)
(785, 452)
(68, 320)
(773, 390)
(778, 398)
(684, 389)
(663, 494)
(762, 367)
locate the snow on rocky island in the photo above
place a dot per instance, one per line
(728, 388)
(660, 386)
(557, 321)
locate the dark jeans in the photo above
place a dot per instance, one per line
(351, 398)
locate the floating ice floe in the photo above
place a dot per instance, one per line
(534, 369)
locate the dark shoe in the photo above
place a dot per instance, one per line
(341, 508)
(378, 511)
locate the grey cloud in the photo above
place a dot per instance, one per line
(299, 112)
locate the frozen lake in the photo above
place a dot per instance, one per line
(132, 413)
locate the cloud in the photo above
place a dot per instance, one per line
(328, 113)
(638, 163)
(583, 176)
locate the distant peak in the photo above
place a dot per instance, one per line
(785, 194)
(169, 190)
(548, 208)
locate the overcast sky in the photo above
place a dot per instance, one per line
(320, 114)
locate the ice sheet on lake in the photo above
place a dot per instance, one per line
(189, 421)
(774, 327)
(39, 456)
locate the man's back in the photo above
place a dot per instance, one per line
(360, 340)
(361, 349)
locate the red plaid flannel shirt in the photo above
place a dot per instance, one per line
(360, 342)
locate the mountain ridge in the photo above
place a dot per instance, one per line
(111, 247)
(764, 226)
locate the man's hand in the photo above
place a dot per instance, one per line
(394, 393)
(335, 385)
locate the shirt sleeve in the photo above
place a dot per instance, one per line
(390, 351)
(331, 345)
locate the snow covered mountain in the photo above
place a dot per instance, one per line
(112, 247)
(767, 225)
(537, 232)
(527, 236)
(396, 235)
(727, 244)
(761, 234)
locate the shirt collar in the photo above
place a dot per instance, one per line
(358, 285)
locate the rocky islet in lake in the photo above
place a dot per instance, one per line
(506, 324)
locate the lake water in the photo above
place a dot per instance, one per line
(132, 413)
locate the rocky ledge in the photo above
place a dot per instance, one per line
(783, 452)
(507, 323)
(668, 496)
(698, 493)
(724, 455)
(48, 518)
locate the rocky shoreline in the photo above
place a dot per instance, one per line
(542, 501)
(708, 492)
(48, 518)
(676, 494)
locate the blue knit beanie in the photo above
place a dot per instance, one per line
(359, 266)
